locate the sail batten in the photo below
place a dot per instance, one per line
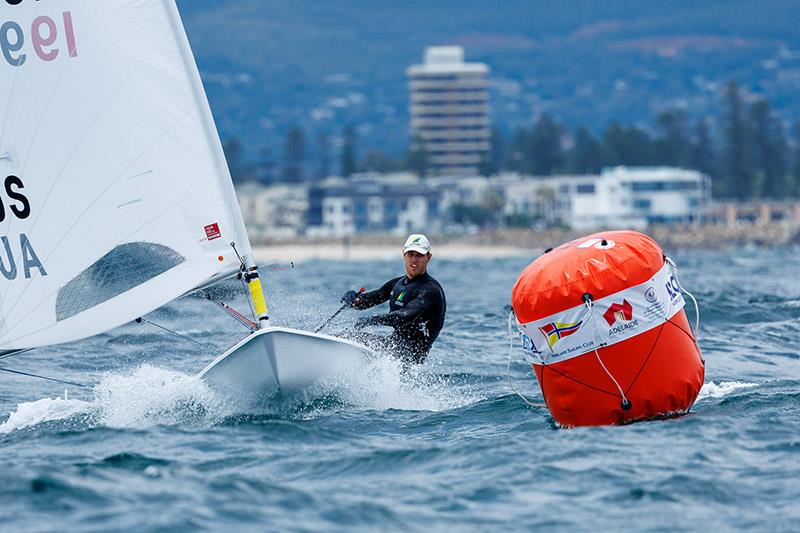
(116, 194)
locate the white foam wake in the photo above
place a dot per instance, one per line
(146, 397)
(45, 410)
(383, 385)
(712, 390)
(151, 396)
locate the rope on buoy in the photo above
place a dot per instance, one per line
(588, 301)
(508, 366)
(674, 269)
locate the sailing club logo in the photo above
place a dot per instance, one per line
(621, 313)
(212, 231)
(555, 331)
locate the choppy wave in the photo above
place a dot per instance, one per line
(151, 396)
(446, 446)
(385, 386)
(143, 398)
(713, 390)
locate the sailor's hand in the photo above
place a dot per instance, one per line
(349, 297)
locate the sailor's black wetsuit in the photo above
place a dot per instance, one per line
(416, 312)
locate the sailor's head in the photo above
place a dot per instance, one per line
(416, 255)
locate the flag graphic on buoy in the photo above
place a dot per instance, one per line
(555, 331)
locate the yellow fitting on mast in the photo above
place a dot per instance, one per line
(257, 294)
(257, 300)
(258, 303)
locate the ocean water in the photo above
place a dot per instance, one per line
(149, 447)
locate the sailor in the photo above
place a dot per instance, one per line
(416, 306)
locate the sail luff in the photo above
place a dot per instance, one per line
(223, 175)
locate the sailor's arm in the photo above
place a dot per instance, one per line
(376, 297)
(408, 314)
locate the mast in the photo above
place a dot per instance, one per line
(258, 303)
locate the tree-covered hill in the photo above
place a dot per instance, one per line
(322, 65)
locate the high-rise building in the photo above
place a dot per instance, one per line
(450, 111)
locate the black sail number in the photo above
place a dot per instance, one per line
(16, 199)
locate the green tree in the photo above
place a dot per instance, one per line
(492, 161)
(265, 167)
(485, 166)
(794, 179)
(470, 214)
(672, 147)
(324, 154)
(417, 158)
(703, 156)
(586, 156)
(294, 155)
(517, 158)
(737, 180)
(546, 154)
(378, 161)
(493, 201)
(348, 156)
(627, 146)
(769, 151)
(497, 153)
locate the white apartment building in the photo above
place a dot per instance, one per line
(620, 197)
(449, 108)
(662, 194)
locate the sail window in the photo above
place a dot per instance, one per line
(120, 270)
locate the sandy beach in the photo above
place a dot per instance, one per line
(521, 243)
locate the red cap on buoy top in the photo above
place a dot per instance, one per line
(600, 264)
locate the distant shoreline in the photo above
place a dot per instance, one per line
(521, 243)
(301, 252)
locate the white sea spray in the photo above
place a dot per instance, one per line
(712, 390)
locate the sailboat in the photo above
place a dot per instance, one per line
(116, 197)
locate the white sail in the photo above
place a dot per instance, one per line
(115, 194)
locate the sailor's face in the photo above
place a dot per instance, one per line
(416, 263)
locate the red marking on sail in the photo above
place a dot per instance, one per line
(213, 232)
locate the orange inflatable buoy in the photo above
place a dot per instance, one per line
(602, 323)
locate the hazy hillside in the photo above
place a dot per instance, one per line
(322, 64)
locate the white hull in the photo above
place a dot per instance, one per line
(277, 361)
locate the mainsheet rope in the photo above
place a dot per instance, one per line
(45, 378)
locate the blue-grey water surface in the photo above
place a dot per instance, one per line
(150, 447)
